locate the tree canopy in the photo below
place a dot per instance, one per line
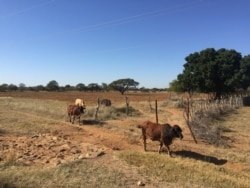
(214, 71)
(80, 87)
(123, 85)
(244, 74)
(52, 86)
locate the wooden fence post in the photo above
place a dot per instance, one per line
(97, 109)
(127, 105)
(156, 112)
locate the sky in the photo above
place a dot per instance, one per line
(100, 41)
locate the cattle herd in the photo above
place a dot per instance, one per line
(164, 133)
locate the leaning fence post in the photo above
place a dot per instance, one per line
(187, 118)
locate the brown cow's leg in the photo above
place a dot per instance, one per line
(161, 144)
(145, 144)
(144, 139)
(69, 118)
(169, 153)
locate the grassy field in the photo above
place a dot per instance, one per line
(40, 148)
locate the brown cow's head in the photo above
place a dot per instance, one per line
(82, 108)
(178, 131)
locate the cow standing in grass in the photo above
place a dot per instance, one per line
(75, 111)
(164, 133)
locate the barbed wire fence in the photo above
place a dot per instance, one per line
(200, 113)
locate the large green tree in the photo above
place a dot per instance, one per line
(244, 74)
(123, 85)
(211, 71)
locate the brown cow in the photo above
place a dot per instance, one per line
(164, 133)
(75, 111)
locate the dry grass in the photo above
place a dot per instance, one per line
(75, 174)
(184, 172)
(110, 113)
(30, 116)
(155, 170)
(193, 165)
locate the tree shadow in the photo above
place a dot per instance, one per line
(201, 157)
(7, 185)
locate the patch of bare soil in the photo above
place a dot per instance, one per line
(48, 150)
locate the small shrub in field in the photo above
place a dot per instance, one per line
(131, 111)
(106, 113)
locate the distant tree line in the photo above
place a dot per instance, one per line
(217, 72)
(121, 85)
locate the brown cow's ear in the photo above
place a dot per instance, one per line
(176, 129)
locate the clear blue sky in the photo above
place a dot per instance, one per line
(99, 41)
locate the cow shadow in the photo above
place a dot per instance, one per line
(200, 157)
(92, 122)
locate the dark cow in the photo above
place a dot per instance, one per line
(106, 102)
(75, 111)
(164, 133)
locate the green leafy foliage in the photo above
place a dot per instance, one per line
(244, 74)
(52, 86)
(214, 71)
